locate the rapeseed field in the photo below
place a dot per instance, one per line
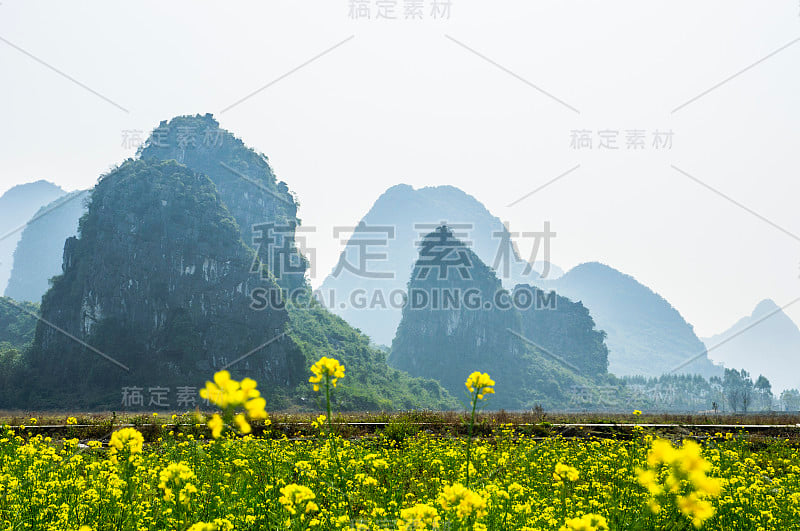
(509, 481)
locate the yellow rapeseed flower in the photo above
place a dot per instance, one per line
(326, 368)
(126, 440)
(293, 496)
(216, 426)
(231, 395)
(226, 392)
(696, 508)
(319, 422)
(256, 408)
(686, 480)
(587, 522)
(466, 502)
(177, 477)
(563, 472)
(242, 424)
(480, 382)
(420, 516)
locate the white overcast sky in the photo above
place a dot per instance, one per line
(402, 103)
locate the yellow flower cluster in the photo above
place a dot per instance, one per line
(229, 395)
(319, 422)
(684, 479)
(419, 517)
(216, 424)
(465, 502)
(127, 442)
(587, 522)
(480, 383)
(177, 477)
(563, 472)
(297, 498)
(220, 524)
(326, 368)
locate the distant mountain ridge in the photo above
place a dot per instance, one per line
(17, 206)
(645, 334)
(395, 223)
(40, 250)
(765, 342)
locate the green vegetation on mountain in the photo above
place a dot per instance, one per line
(370, 383)
(564, 327)
(17, 329)
(158, 282)
(17, 326)
(156, 292)
(397, 220)
(244, 180)
(486, 333)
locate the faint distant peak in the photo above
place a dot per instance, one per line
(37, 187)
(433, 194)
(765, 307)
(399, 189)
(593, 269)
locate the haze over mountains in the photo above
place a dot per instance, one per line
(17, 206)
(765, 342)
(157, 290)
(40, 250)
(395, 224)
(646, 335)
(171, 247)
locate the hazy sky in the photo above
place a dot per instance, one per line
(486, 100)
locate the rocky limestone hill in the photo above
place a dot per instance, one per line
(458, 321)
(159, 282)
(245, 182)
(157, 291)
(395, 224)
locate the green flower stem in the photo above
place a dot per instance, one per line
(332, 442)
(469, 437)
